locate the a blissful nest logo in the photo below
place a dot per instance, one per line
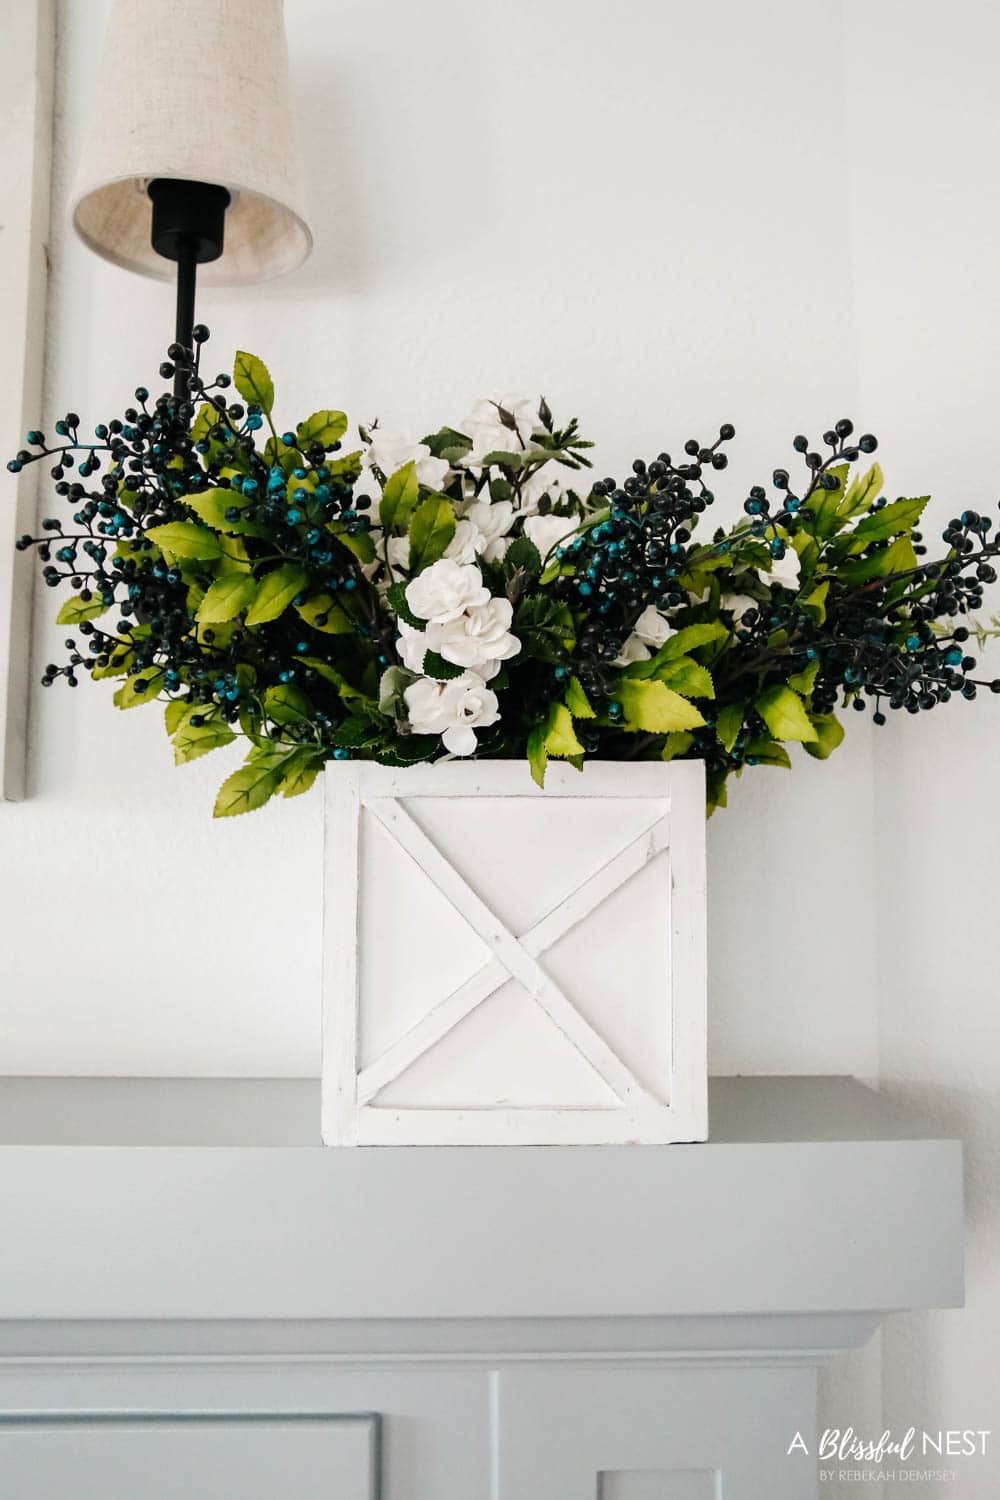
(914, 1457)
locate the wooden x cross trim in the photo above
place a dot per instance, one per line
(514, 957)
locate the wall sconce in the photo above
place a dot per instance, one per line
(191, 157)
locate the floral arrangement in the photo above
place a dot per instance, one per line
(478, 593)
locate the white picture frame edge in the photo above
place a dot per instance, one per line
(26, 114)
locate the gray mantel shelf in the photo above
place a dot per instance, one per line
(182, 1201)
(197, 1299)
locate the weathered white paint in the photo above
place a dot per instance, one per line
(25, 164)
(524, 894)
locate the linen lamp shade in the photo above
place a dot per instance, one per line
(196, 92)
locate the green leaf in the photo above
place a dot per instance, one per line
(431, 529)
(275, 593)
(300, 773)
(211, 506)
(560, 736)
(253, 784)
(186, 539)
(326, 427)
(119, 662)
(716, 792)
(687, 677)
(817, 601)
(77, 609)
(396, 596)
(357, 732)
(194, 740)
(769, 753)
(577, 701)
(522, 554)
(392, 685)
(676, 745)
(503, 459)
(131, 694)
(651, 706)
(690, 639)
(324, 608)
(174, 714)
(538, 756)
(329, 673)
(235, 557)
(226, 598)
(344, 463)
(891, 520)
(287, 704)
(409, 750)
(863, 490)
(544, 627)
(361, 545)
(252, 379)
(279, 455)
(436, 666)
(899, 557)
(728, 724)
(449, 444)
(555, 735)
(399, 496)
(829, 734)
(803, 681)
(784, 714)
(206, 418)
(825, 505)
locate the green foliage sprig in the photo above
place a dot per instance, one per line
(477, 593)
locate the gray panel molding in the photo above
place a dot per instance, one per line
(563, 1441)
(660, 1484)
(483, 1343)
(431, 1442)
(21, 1461)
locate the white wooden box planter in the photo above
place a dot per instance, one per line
(507, 965)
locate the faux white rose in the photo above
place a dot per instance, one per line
(442, 591)
(784, 570)
(493, 520)
(489, 432)
(633, 650)
(652, 628)
(467, 543)
(649, 632)
(394, 549)
(454, 710)
(389, 452)
(397, 550)
(548, 480)
(738, 604)
(548, 531)
(477, 638)
(412, 646)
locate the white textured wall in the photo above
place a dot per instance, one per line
(924, 141)
(617, 215)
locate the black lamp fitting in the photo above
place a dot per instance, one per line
(189, 226)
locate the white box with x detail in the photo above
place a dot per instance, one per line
(505, 964)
